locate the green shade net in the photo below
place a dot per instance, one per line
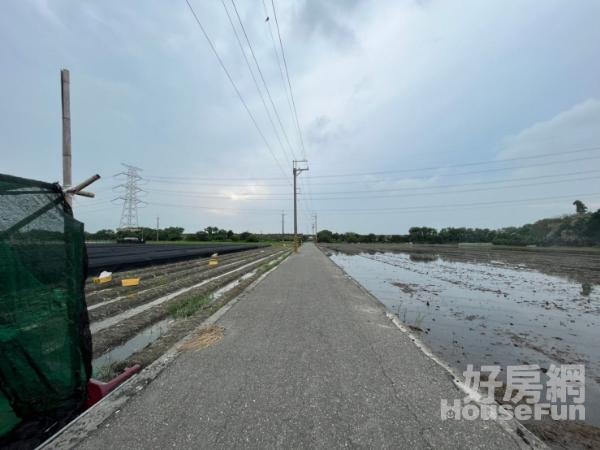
(45, 343)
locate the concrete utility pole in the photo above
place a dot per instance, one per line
(157, 224)
(299, 167)
(316, 227)
(282, 226)
(66, 133)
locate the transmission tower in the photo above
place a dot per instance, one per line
(130, 196)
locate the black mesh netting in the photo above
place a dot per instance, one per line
(45, 343)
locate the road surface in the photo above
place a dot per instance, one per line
(308, 360)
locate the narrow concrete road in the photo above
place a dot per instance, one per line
(308, 360)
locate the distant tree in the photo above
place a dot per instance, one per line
(174, 233)
(351, 237)
(229, 234)
(201, 235)
(325, 236)
(423, 234)
(103, 235)
(370, 238)
(211, 232)
(220, 235)
(580, 208)
(593, 228)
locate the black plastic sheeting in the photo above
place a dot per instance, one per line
(117, 257)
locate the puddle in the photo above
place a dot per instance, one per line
(136, 343)
(489, 313)
(154, 332)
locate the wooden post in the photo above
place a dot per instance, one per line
(66, 132)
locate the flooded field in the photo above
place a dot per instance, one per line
(483, 307)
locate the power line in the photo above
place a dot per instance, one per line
(424, 208)
(399, 189)
(459, 205)
(279, 65)
(408, 170)
(464, 191)
(104, 208)
(304, 183)
(449, 166)
(239, 94)
(302, 200)
(287, 75)
(263, 80)
(215, 208)
(273, 197)
(262, 97)
(473, 172)
(478, 183)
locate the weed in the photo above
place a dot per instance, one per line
(189, 306)
(268, 266)
(105, 372)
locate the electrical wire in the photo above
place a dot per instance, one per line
(239, 94)
(399, 189)
(264, 197)
(287, 75)
(260, 93)
(266, 87)
(279, 64)
(460, 205)
(424, 208)
(416, 169)
(449, 166)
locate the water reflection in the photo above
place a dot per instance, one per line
(423, 257)
(488, 313)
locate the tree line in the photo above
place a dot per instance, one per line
(579, 229)
(172, 234)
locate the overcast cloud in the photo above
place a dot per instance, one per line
(381, 88)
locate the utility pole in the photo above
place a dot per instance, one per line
(299, 167)
(316, 228)
(157, 224)
(66, 133)
(282, 226)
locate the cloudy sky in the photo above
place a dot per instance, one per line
(416, 112)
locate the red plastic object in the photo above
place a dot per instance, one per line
(97, 390)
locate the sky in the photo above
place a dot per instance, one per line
(410, 112)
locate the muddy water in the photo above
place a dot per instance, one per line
(138, 342)
(154, 332)
(489, 313)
